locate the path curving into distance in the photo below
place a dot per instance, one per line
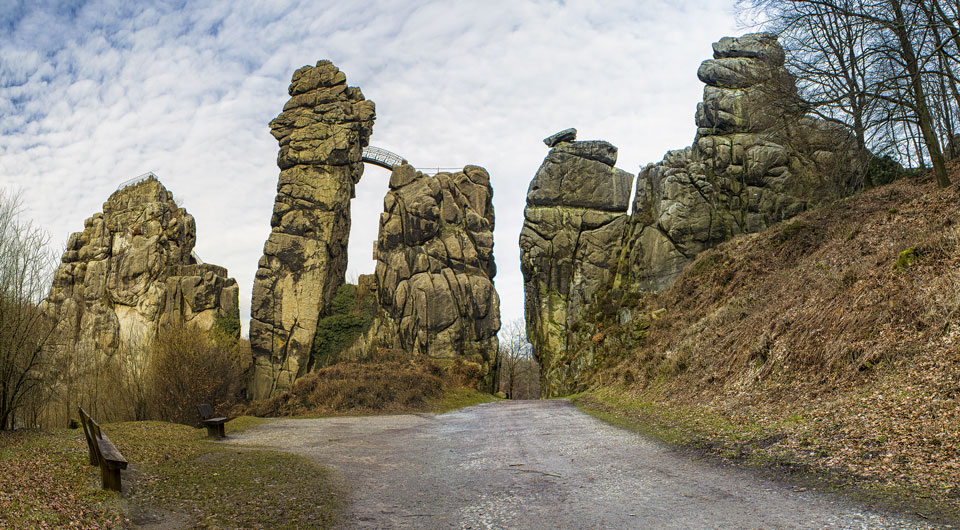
(541, 464)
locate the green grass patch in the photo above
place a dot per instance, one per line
(458, 398)
(906, 258)
(218, 485)
(681, 426)
(242, 423)
(46, 482)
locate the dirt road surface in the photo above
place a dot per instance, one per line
(541, 464)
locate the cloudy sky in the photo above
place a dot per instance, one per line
(93, 93)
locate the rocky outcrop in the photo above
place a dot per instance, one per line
(321, 131)
(755, 161)
(574, 221)
(131, 271)
(433, 283)
(435, 268)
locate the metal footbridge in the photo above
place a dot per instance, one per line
(379, 156)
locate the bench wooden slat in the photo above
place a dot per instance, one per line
(214, 425)
(111, 454)
(103, 453)
(84, 421)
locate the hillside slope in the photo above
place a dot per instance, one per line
(828, 342)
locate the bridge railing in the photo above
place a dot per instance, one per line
(386, 159)
(138, 179)
(435, 170)
(381, 157)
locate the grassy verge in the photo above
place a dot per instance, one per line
(458, 398)
(174, 474)
(764, 444)
(45, 483)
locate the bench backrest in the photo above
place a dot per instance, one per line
(91, 443)
(91, 430)
(95, 430)
(206, 411)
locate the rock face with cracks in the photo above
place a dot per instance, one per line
(755, 161)
(435, 267)
(131, 271)
(574, 221)
(322, 131)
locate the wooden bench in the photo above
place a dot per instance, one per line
(102, 453)
(213, 424)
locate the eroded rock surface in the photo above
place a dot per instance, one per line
(131, 271)
(574, 222)
(755, 161)
(435, 269)
(321, 131)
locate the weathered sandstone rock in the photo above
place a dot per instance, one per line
(435, 269)
(574, 221)
(755, 161)
(131, 271)
(321, 131)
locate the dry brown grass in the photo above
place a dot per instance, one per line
(814, 329)
(391, 383)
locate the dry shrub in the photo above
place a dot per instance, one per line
(189, 367)
(387, 383)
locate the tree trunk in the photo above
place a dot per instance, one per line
(899, 27)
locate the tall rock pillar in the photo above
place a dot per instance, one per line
(322, 132)
(573, 224)
(435, 267)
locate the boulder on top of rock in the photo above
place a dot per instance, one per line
(573, 225)
(566, 135)
(581, 174)
(762, 46)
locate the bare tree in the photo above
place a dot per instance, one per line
(25, 333)
(518, 375)
(189, 366)
(867, 62)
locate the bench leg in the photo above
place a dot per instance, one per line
(110, 478)
(215, 432)
(220, 431)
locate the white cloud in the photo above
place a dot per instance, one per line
(99, 93)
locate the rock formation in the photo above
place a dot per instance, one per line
(435, 268)
(574, 221)
(321, 131)
(755, 161)
(131, 270)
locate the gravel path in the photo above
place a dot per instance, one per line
(541, 464)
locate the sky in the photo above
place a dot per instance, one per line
(94, 93)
